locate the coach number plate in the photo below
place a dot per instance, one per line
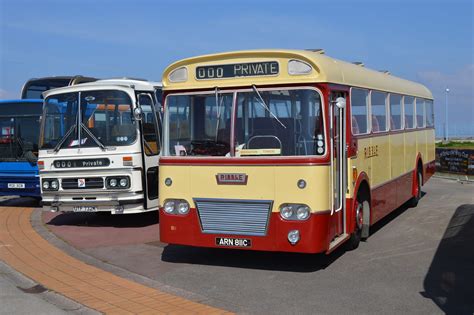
(233, 242)
(84, 209)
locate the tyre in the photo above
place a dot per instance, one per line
(413, 202)
(354, 240)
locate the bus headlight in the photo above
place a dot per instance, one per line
(169, 206)
(117, 182)
(302, 213)
(50, 184)
(183, 207)
(176, 206)
(294, 212)
(286, 212)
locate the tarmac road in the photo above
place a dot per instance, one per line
(417, 260)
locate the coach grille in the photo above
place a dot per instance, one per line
(234, 217)
(91, 182)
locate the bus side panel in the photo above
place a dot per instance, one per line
(384, 190)
(410, 160)
(429, 163)
(397, 164)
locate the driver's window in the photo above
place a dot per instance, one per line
(149, 123)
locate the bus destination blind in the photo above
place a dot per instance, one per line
(251, 69)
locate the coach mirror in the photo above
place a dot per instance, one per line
(137, 113)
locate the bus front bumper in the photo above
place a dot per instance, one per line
(99, 204)
(186, 230)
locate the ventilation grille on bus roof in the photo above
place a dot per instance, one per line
(317, 50)
(358, 63)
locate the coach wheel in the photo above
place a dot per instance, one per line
(414, 200)
(356, 236)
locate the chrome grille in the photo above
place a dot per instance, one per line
(234, 217)
(91, 182)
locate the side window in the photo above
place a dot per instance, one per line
(359, 110)
(409, 109)
(420, 113)
(395, 112)
(378, 111)
(429, 113)
(150, 140)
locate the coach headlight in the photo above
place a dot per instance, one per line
(54, 185)
(123, 182)
(50, 184)
(294, 212)
(117, 182)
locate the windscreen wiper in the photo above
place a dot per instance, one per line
(97, 141)
(218, 109)
(63, 139)
(264, 105)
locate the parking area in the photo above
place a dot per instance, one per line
(417, 260)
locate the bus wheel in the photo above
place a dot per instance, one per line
(413, 202)
(356, 236)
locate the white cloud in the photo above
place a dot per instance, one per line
(460, 98)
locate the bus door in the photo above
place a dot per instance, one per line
(151, 148)
(338, 167)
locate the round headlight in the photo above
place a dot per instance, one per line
(302, 213)
(123, 182)
(169, 207)
(113, 182)
(286, 212)
(183, 208)
(293, 236)
(45, 185)
(54, 184)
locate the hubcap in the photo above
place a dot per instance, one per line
(359, 216)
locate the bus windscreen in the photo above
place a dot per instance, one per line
(19, 127)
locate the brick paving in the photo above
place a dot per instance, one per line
(25, 250)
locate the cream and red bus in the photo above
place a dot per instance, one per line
(288, 150)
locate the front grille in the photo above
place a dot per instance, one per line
(91, 182)
(234, 217)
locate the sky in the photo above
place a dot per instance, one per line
(427, 41)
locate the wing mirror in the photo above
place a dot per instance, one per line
(137, 113)
(341, 102)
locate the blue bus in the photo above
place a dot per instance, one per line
(19, 134)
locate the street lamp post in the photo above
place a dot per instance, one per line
(446, 123)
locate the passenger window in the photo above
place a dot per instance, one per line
(429, 113)
(395, 112)
(420, 113)
(409, 110)
(359, 110)
(379, 111)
